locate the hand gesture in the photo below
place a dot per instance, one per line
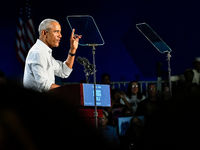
(122, 95)
(74, 39)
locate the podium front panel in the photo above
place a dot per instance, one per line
(83, 94)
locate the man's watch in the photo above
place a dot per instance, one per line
(72, 54)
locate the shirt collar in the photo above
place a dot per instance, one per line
(45, 47)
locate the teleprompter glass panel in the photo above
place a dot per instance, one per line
(85, 25)
(153, 38)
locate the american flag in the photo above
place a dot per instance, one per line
(25, 35)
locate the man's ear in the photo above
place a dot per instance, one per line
(44, 32)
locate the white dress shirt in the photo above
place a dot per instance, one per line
(133, 101)
(41, 68)
(196, 77)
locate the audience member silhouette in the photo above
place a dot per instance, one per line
(149, 106)
(133, 136)
(105, 79)
(133, 95)
(195, 70)
(108, 132)
(117, 109)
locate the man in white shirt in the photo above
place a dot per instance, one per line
(196, 71)
(41, 67)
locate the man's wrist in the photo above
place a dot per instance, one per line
(72, 53)
(72, 50)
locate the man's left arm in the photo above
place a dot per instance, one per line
(74, 39)
(64, 69)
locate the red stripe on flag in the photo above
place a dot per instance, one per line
(25, 34)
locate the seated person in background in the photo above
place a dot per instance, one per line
(187, 86)
(117, 109)
(196, 71)
(133, 95)
(188, 76)
(166, 94)
(149, 106)
(108, 132)
(105, 79)
(133, 135)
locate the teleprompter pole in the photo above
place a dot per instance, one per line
(169, 73)
(94, 75)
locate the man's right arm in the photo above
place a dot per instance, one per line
(53, 86)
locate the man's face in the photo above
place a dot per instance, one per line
(152, 91)
(106, 80)
(53, 36)
(103, 121)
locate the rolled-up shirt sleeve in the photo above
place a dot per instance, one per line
(61, 69)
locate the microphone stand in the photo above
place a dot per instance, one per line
(94, 75)
(86, 75)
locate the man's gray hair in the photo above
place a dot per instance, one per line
(45, 25)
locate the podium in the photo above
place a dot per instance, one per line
(82, 97)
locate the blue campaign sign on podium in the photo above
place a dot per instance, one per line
(102, 95)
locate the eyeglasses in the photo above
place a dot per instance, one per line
(134, 86)
(152, 89)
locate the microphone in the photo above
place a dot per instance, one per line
(80, 60)
(83, 61)
(88, 63)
